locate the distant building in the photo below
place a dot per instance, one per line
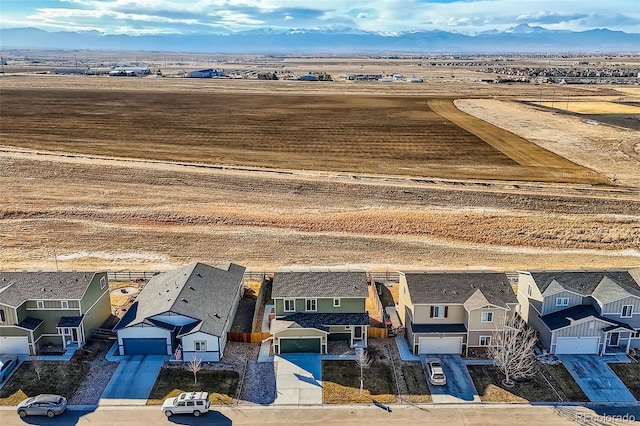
(206, 73)
(308, 77)
(126, 71)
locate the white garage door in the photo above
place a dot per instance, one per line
(440, 345)
(577, 345)
(14, 345)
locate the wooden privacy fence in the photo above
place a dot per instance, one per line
(247, 337)
(377, 333)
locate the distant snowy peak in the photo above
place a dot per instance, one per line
(525, 29)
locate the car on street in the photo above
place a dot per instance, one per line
(436, 372)
(195, 403)
(43, 405)
(7, 364)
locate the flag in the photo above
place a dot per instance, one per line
(178, 353)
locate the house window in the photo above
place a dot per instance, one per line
(200, 345)
(627, 310)
(487, 317)
(336, 303)
(485, 340)
(562, 301)
(103, 283)
(439, 311)
(635, 335)
(2, 319)
(64, 304)
(311, 305)
(289, 305)
(39, 304)
(529, 290)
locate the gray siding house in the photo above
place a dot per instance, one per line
(582, 312)
(314, 307)
(192, 308)
(453, 312)
(59, 309)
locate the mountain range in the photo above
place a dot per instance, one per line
(522, 38)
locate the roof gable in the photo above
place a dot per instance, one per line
(319, 284)
(609, 291)
(585, 282)
(458, 287)
(18, 287)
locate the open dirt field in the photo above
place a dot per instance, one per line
(112, 196)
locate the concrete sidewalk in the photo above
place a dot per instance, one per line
(133, 380)
(405, 352)
(265, 347)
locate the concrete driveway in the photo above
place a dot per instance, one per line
(298, 379)
(459, 387)
(596, 379)
(133, 380)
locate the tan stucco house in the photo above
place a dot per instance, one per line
(453, 312)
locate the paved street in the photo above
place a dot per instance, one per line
(451, 415)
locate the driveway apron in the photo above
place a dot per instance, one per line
(298, 379)
(133, 380)
(596, 379)
(459, 387)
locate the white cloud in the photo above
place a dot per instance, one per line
(391, 16)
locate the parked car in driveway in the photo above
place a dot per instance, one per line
(43, 405)
(7, 364)
(436, 373)
(195, 403)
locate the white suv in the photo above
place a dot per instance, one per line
(195, 403)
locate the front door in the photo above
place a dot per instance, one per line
(357, 333)
(613, 341)
(74, 335)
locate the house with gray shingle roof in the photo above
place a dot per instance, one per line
(314, 307)
(191, 308)
(453, 312)
(582, 312)
(51, 309)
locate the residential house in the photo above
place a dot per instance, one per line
(314, 307)
(191, 308)
(41, 309)
(453, 312)
(582, 312)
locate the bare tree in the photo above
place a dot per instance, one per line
(194, 366)
(363, 361)
(37, 364)
(511, 349)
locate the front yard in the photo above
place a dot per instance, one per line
(171, 382)
(341, 383)
(488, 382)
(630, 376)
(416, 381)
(61, 378)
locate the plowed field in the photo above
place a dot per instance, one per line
(377, 134)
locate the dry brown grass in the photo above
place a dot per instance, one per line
(592, 107)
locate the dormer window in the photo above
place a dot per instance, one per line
(39, 304)
(627, 311)
(562, 301)
(487, 317)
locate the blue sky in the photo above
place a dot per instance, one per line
(135, 17)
